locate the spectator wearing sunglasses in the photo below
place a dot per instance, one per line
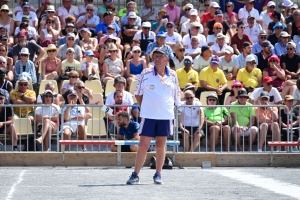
(238, 39)
(6, 63)
(217, 28)
(264, 55)
(18, 8)
(130, 7)
(243, 119)
(51, 64)
(89, 20)
(193, 17)
(230, 16)
(265, 17)
(70, 28)
(49, 33)
(194, 51)
(186, 13)
(281, 46)
(63, 49)
(173, 11)
(101, 28)
(186, 74)
(274, 38)
(253, 29)
(220, 45)
(236, 86)
(73, 76)
(213, 7)
(83, 11)
(262, 43)
(6, 21)
(42, 11)
(247, 49)
(194, 31)
(205, 9)
(216, 122)
(33, 20)
(250, 76)
(172, 37)
(267, 86)
(290, 62)
(50, 13)
(56, 97)
(129, 30)
(30, 32)
(203, 60)
(276, 17)
(247, 10)
(218, 19)
(290, 18)
(177, 61)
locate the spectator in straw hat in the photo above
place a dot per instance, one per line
(6, 20)
(42, 11)
(50, 12)
(186, 13)
(177, 61)
(51, 64)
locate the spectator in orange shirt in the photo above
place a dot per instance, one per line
(268, 121)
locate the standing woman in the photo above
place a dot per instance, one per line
(230, 16)
(135, 66)
(49, 33)
(9, 62)
(6, 21)
(235, 88)
(51, 64)
(113, 66)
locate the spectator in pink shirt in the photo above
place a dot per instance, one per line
(173, 11)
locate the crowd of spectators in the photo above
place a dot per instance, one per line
(253, 56)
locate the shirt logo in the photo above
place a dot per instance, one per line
(151, 87)
(218, 80)
(255, 75)
(190, 78)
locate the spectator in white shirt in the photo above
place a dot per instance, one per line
(65, 10)
(229, 64)
(186, 40)
(33, 20)
(203, 60)
(247, 10)
(253, 29)
(186, 15)
(89, 20)
(194, 50)
(172, 37)
(82, 8)
(178, 60)
(219, 47)
(217, 28)
(187, 25)
(19, 7)
(264, 16)
(148, 12)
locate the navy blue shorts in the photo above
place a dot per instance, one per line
(156, 127)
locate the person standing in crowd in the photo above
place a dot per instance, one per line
(156, 121)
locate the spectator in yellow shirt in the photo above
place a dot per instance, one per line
(186, 74)
(22, 95)
(212, 78)
(250, 76)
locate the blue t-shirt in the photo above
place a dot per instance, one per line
(156, 24)
(129, 132)
(103, 27)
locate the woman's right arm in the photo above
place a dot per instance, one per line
(128, 68)
(43, 69)
(105, 71)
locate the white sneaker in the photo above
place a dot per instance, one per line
(259, 151)
(92, 77)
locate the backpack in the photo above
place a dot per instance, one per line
(168, 164)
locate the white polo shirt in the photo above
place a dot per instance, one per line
(62, 11)
(191, 51)
(190, 116)
(243, 14)
(217, 48)
(127, 99)
(175, 38)
(186, 26)
(138, 35)
(212, 38)
(274, 95)
(160, 94)
(94, 20)
(186, 40)
(253, 32)
(177, 63)
(32, 17)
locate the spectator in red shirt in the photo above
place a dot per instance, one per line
(213, 7)
(113, 126)
(239, 38)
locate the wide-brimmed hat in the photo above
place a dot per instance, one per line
(188, 5)
(113, 47)
(189, 86)
(178, 46)
(4, 7)
(289, 97)
(50, 47)
(213, 94)
(50, 8)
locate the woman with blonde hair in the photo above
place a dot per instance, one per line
(51, 64)
(6, 21)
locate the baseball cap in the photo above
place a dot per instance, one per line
(250, 58)
(86, 30)
(214, 5)
(289, 97)
(218, 24)
(72, 92)
(271, 3)
(236, 83)
(193, 12)
(242, 93)
(71, 35)
(264, 94)
(26, 4)
(195, 24)
(263, 32)
(266, 44)
(220, 35)
(70, 25)
(107, 13)
(279, 24)
(23, 25)
(172, 23)
(89, 53)
(132, 15)
(274, 56)
(267, 79)
(188, 58)
(135, 48)
(213, 94)
(23, 79)
(250, 16)
(188, 5)
(48, 91)
(161, 34)
(146, 24)
(229, 50)
(70, 50)
(294, 6)
(218, 13)
(119, 79)
(215, 59)
(3, 37)
(21, 34)
(3, 59)
(159, 49)
(275, 14)
(26, 17)
(291, 44)
(239, 23)
(284, 34)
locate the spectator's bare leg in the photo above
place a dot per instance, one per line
(214, 132)
(276, 132)
(142, 152)
(262, 134)
(12, 134)
(226, 136)
(113, 148)
(81, 133)
(67, 135)
(134, 148)
(252, 137)
(160, 152)
(52, 76)
(129, 81)
(196, 141)
(186, 142)
(46, 126)
(237, 139)
(87, 117)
